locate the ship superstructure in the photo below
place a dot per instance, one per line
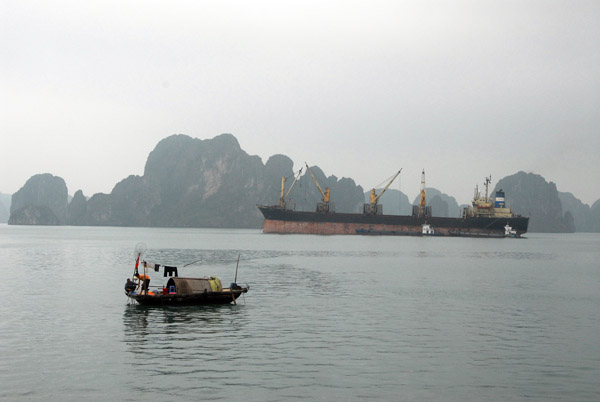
(486, 207)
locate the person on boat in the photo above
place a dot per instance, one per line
(130, 285)
(144, 280)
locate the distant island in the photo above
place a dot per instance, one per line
(213, 183)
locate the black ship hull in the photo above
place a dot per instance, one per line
(279, 220)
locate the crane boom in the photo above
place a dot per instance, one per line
(284, 196)
(374, 200)
(294, 182)
(423, 199)
(281, 197)
(324, 195)
(371, 208)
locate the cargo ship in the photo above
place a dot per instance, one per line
(486, 217)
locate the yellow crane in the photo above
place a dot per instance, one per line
(423, 199)
(375, 197)
(284, 196)
(324, 207)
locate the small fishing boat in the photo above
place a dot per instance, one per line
(179, 291)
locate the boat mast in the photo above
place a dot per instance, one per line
(488, 180)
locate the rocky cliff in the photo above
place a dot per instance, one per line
(394, 202)
(189, 182)
(41, 201)
(441, 204)
(4, 207)
(585, 218)
(77, 208)
(581, 213)
(531, 195)
(345, 195)
(595, 217)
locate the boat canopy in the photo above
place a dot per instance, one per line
(195, 285)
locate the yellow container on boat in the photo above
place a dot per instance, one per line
(215, 284)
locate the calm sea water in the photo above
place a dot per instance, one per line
(327, 318)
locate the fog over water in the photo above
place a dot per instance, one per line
(462, 89)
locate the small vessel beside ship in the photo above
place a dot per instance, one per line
(486, 217)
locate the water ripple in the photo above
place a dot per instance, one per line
(326, 318)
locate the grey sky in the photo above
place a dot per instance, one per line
(461, 89)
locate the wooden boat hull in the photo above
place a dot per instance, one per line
(193, 299)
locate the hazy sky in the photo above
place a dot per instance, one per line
(462, 89)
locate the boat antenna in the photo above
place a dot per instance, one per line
(236, 269)
(488, 180)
